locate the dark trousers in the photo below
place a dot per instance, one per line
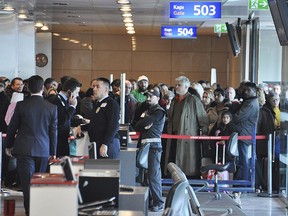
(63, 146)
(154, 176)
(243, 162)
(113, 149)
(27, 166)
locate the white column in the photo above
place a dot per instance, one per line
(213, 76)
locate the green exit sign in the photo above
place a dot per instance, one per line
(220, 28)
(258, 5)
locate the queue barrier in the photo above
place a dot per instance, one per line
(239, 185)
(247, 186)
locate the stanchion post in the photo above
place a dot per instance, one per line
(1, 161)
(269, 171)
(269, 165)
(253, 157)
(2, 193)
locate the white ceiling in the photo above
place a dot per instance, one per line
(104, 16)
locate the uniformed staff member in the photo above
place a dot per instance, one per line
(104, 122)
(150, 127)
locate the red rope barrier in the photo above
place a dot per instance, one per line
(187, 137)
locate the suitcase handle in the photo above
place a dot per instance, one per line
(217, 149)
(220, 143)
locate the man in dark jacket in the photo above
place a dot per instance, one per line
(244, 120)
(150, 127)
(35, 123)
(5, 101)
(104, 122)
(66, 102)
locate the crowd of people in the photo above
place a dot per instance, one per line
(38, 115)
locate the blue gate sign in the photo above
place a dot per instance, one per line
(195, 10)
(182, 32)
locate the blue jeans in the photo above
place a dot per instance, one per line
(243, 164)
(154, 177)
(26, 167)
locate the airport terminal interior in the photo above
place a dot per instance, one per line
(155, 41)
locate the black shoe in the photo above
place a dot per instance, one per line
(157, 208)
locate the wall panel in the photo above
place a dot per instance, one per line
(161, 60)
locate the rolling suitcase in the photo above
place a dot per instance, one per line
(221, 175)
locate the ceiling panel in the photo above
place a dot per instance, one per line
(104, 16)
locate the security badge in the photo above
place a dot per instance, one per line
(102, 105)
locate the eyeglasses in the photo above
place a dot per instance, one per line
(128, 87)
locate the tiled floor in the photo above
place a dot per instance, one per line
(252, 205)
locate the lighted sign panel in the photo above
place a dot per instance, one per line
(195, 10)
(182, 32)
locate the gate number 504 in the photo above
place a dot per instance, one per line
(204, 10)
(185, 31)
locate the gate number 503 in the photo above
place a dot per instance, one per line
(204, 10)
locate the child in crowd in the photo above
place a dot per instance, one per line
(225, 127)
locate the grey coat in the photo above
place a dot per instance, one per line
(193, 118)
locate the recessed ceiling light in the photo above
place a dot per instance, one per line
(8, 8)
(123, 2)
(39, 24)
(130, 28)
(65, 39)
(131, 32)
(124, 8)
(22, 16)
(73, 16)
(127, 19)
(74, 41)
(60, 3)
(45, 28)
(56, 34)
(129, 24)
(126, 15)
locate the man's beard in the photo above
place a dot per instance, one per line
(142, 89)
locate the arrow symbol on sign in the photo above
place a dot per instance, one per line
(263, 4)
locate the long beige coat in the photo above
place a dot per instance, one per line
(193, 117)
